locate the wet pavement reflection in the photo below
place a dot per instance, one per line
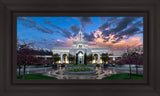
(59, 72)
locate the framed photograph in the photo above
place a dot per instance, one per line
(62, 48)
(80, 47)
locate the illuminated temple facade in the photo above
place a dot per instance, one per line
(79, 49)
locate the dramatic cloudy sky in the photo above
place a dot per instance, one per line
(116, 33)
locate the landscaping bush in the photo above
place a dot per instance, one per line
(81, 65)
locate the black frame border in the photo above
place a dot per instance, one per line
(151, 88)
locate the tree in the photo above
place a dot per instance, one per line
(105, 57)
(24, 56)
(85, 57)
(56, 58)
(90, 57)
(24, 59)
(137, 60)
(19, 62)
(76, 59)
(125, 60)
(48, 61)
(111, 61)
(71, 57)
(138, 57)
(134, 56)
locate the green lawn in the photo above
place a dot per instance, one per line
(36, 76)
(124, 76)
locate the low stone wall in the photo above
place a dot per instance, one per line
(80, 73)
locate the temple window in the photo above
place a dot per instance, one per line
(80, 46)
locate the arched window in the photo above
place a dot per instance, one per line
(80, 46)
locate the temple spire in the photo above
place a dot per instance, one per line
(80, 25)
(80, 33)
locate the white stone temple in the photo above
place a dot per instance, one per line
(80, 47)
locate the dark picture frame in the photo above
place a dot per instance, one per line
(9, 85)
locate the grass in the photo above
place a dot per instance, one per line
(35, 76)
(80, 69)
(124, 76)
(81, 65)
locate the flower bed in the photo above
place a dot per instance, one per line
(81, 65)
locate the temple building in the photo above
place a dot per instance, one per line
(79, 49)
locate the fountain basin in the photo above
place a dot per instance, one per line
(80, 72)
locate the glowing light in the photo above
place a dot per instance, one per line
(80, 54)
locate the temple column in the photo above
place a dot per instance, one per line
(45, 58)
(66, 59)
(98, 59)
(61, 58)
(114, 59)
(82, 59)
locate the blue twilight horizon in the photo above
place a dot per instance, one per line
(116, 33)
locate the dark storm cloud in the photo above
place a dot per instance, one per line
(89, 37)
(64, 32)
(120, 38)
(30, 23)
(104, 26)
(106, 39)
(128, 32)
(102, 18)
(68, 20)
(86, 21)
(58, 32)
(139, 24)
(24, 19)
(27, 25)
(47, 22)
(123, 24)
(43, 39)
(75, 29)
(44, 30)
(125, 27)
(113, 19)
(50, 43)
(50, 23)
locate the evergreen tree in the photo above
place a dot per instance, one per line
(85, 57)
(105, 57)
(90, 57)
(76, 59)
(71, 58)
(56, 58)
